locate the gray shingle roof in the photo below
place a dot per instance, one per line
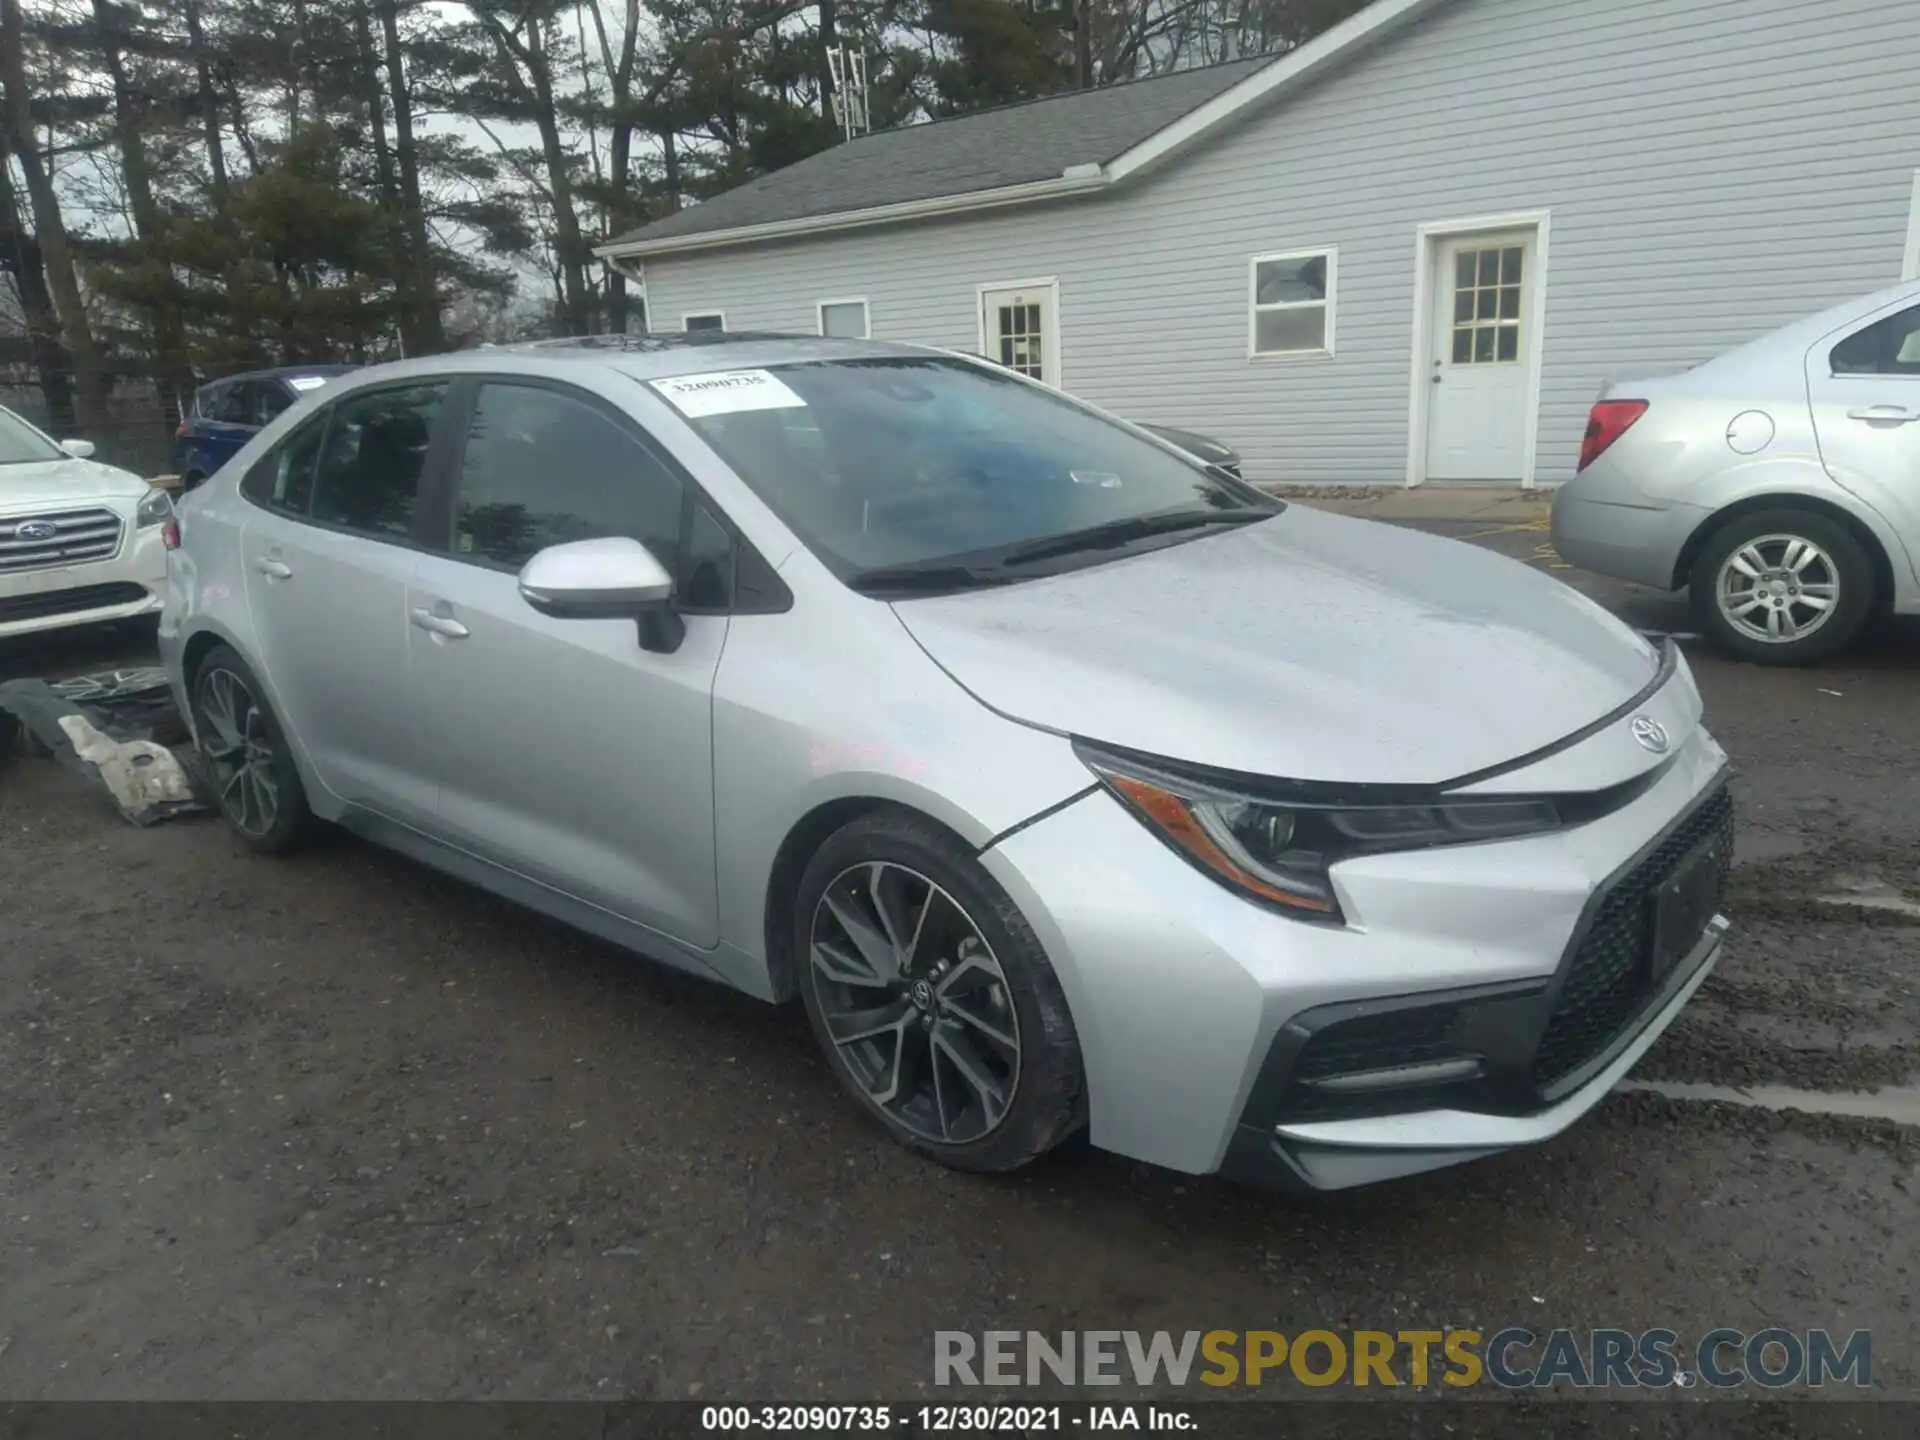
(1010, 145)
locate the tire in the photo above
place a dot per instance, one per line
(1833, 566)
(192, 480)
(230, 719)
(977, 971)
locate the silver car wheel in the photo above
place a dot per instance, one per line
(915, 1002)
(238, 750)
(1777, 589)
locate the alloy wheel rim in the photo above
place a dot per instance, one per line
(239, 753)
(915, 1002)
(1778, 588)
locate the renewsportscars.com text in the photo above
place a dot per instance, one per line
(1514, 1358)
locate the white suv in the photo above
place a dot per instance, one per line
(80, 542)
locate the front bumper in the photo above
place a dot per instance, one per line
(124, 586)
(1189, 1001)
(1335, 1154)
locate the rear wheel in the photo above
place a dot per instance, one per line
(249, 766)
(932, 999)
(1782, 587)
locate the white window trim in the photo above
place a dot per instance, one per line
(1255, 308)
(866, 314)
(721, 315)
(1910, 262)
(1051, 284)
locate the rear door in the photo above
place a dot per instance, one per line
(562, 749)
(1864, 385)
(204, 443)
(268, 399)
(233, 423)
(328, 551)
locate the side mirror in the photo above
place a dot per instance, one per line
(78, 449)
(610, 579)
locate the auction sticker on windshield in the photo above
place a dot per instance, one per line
(725, 392)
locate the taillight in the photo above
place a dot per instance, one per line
(181, 433)
(170, 534)
(1606, 423)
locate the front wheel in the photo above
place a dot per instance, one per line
(1782, 587)
(932, 999)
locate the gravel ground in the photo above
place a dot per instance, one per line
(335, 1126)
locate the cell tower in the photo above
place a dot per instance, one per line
(849, 70)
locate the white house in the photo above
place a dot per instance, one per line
(1409, 250)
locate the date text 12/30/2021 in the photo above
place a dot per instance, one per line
(944, 1419)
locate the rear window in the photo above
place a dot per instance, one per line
(1887, 347)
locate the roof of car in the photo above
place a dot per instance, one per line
(281, 372)
(648, 357)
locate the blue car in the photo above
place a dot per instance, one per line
(226, 413)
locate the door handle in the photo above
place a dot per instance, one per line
(1889, 414)
(440, 624)
(274, 569)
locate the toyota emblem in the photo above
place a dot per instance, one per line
(1650, 734)
(37, 530)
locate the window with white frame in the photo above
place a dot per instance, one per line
(846, 319)
(1290, 303)
(710, 320)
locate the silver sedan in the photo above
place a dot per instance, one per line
(1780, 482)
(1067, 780)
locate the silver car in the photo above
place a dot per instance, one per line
(1066, 780)
(1780, 482)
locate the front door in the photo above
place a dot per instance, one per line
(563, 750)
(1865, 389)
(1020, 326)
(1480, 337)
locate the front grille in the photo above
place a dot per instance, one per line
(69, 602)
(1611, 979)
(72, 537)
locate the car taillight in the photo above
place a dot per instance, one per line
(181, 433)
(1606, 423)
(170, 534)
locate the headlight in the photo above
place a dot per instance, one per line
(156, 508)
(1281, 851)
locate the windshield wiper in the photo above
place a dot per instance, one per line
(923, 580)
(1124, 532)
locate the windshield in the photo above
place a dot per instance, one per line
(21, 444)
(932, 464)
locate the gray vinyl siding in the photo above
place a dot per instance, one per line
(1713, 169)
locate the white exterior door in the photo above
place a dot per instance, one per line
(1480, 336)
(1020, 328)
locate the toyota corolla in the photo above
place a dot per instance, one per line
(1068, 782)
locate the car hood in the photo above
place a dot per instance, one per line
(42, 483)
(1309, 647)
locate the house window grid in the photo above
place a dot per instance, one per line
(1488, 286)
(1022, 342)
(1326, 305)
